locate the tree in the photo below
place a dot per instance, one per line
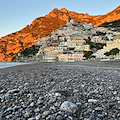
(88, 54)
(114, 51)
(107, 54)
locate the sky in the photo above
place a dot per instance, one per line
(16, 14)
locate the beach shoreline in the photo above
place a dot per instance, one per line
(39, 90)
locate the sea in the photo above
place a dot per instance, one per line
(9, 64)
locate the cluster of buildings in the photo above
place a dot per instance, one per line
(70, 48)
(68, 43)
(109, 46)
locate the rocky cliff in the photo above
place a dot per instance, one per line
(13, 43)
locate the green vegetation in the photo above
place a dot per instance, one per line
(114, 51)
(89, 55)
(30, 51)
(114, 24)
(95, 45)
(100, 33)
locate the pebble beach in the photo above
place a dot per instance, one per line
(61, 91)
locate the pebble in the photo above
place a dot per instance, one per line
(52, 117)
(46, 113)
(52, 100)
(115, 93)
(32, 104)
(38, 117)
(32, 118)
(27, 115)
(13, 91)
(69, 107)
(59, 117)
(57, 94)
(99, 109)
(37, 110)
(92, 101)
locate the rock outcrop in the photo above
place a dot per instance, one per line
(13, 43)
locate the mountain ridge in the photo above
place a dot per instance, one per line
(13, 43)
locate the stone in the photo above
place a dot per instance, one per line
(115, 93)
(16, 108)
(59, 117)
(13, 91)
(5, 96)
(92, 101)
(98, 108)
(52, 117)
(110, 87)
(52, 100)
(32, 104)
(37, 110)
(38, 117)
(70, 118)
(27, 115)
(118, 102)
(2, 91)
(57, 94)
(46, 113)
(69, 107)
(9, 116)
(32, 118)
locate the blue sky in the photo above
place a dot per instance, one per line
(16, 14)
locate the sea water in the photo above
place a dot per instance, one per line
(9, 64)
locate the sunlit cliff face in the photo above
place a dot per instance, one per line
(13, 43)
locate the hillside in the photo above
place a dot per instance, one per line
(114, 25)
(72, 41)
(13, 43)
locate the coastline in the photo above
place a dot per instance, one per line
(11, 64)
(36, 65)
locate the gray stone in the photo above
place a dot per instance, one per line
(111, 87)
(69, 107)
(46, 113)
(92, 100)
(32, 104)
(5, 96)
(2, 91)
(98, 108)
(59, 117)
(32, 118)
(10, 109)
(38, 117)
(37, 110)
(16, 108)
(70, 118)
(57, 94)
(52, 117)
(52, 100)
(27, 115)
(13, 91)
(9, 116)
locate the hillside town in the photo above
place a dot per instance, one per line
(69, 43)
(109, 46)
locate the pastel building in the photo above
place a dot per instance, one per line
(68, 57)
(109, 46)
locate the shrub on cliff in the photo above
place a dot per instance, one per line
(30, 51)
(114, 51)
